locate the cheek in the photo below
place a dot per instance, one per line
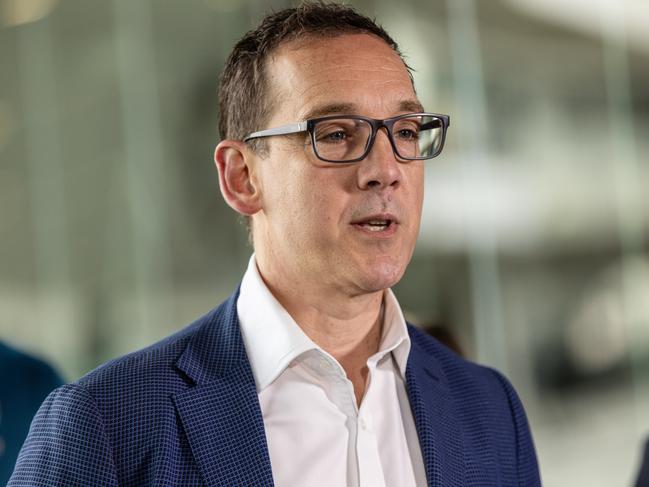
(306, 201)
(318, 207)
(415, 183)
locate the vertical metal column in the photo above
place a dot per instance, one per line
(145, 167)
(630, 191)
(46, 169)
(486, 299)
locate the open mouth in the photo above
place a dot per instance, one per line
(376, 225)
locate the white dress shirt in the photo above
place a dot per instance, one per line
(317, 436)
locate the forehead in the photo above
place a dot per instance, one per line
(360, 72)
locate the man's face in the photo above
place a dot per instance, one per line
(320, 221)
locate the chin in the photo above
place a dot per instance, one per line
(381, 275)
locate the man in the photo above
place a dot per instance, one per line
(309, 374)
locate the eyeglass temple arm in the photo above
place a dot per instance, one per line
(435, 124)
(291, 128)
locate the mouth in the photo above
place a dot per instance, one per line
(377, 224)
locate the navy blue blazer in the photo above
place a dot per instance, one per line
(185, 412)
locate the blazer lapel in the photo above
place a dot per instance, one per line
(440, 435)
(220, 413)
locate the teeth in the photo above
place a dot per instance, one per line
(376, 225)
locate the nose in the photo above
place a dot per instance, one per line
(380, 169)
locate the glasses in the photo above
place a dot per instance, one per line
(349, 138)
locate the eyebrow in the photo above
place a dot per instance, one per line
(410, 106)
(351, 108)
(329, 109)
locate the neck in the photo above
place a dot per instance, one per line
(344, 327)
(348, 327)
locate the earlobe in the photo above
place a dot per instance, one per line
(238, 188)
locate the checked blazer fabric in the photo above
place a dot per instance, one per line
(184, 412)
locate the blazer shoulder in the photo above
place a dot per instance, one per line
(67, 443)
(471, 384)
(118, 424)
(457, 370)
(146, 367)
(486, 405)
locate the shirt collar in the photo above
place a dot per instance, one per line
(273, 339)
(395, 336)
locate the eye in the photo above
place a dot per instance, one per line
(407, 130)
(335, 131)
(407, 134)
(333, 136)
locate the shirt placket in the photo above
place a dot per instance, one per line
(370, 471)
(364, 462)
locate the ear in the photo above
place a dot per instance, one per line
(239, 188)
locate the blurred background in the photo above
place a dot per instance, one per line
(534, 248)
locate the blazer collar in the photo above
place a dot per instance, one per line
(216, 346)
(220, 413)
(438, 428)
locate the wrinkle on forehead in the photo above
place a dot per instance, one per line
(311, 72)
(320, 87)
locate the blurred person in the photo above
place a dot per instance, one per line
(308, 374)
(24, 382)
(643, 474)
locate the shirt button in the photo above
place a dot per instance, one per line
(363, 424)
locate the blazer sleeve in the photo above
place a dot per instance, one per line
(66, 445)
(526, 462)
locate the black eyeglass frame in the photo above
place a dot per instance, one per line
(376, 125)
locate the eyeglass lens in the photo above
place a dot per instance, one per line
(345, 139)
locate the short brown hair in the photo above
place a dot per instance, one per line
(244, 102)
